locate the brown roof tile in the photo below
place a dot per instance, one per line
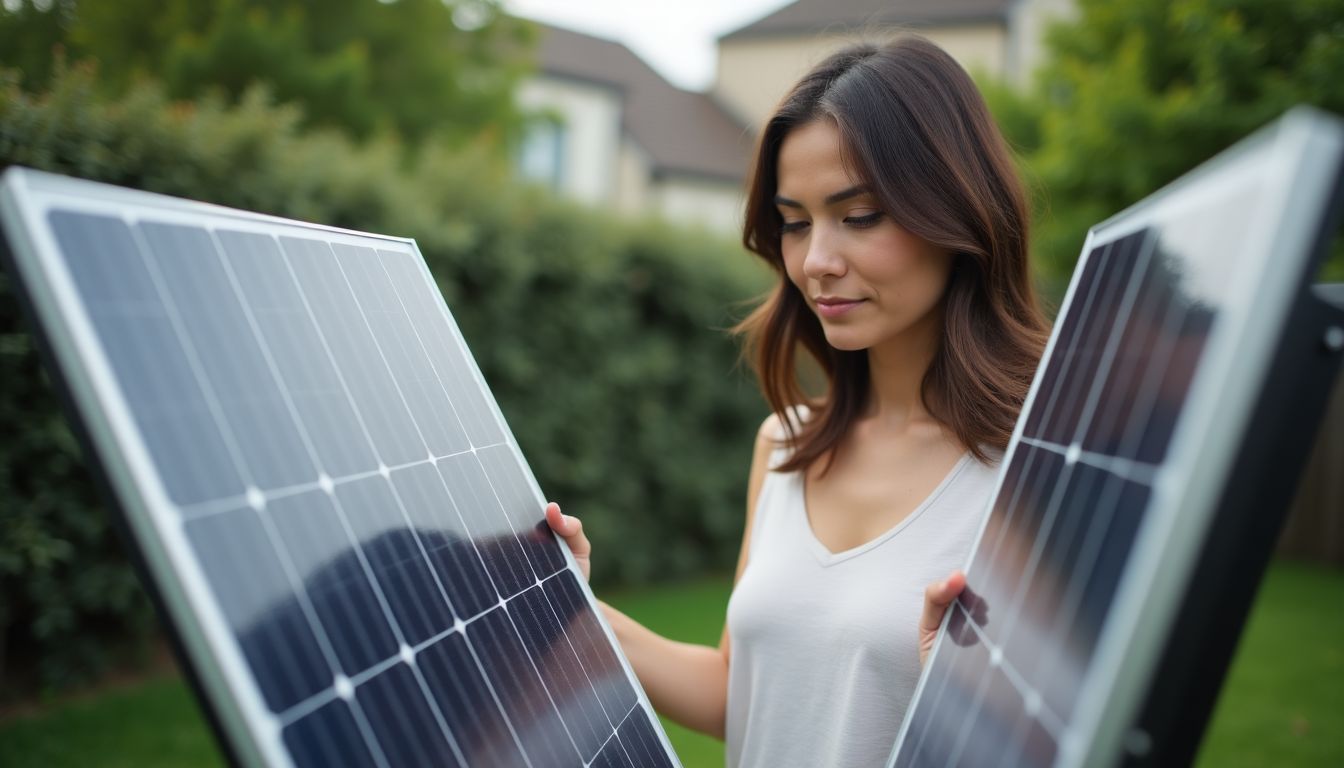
(812, 16)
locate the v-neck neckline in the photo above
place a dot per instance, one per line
(828, 558)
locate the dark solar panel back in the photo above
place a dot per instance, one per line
(1144, 485)
(337, 521)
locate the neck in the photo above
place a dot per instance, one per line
(896, 372)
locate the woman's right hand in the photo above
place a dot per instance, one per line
(938, 596)
(570, 529)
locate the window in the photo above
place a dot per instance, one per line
(541, 156)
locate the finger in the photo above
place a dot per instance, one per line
(570, 529)
(939, 595)
(558, 521)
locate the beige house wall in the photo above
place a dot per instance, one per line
(1031, 19)
(754, 73)
(632, 179)
(714, 205)
(591, 116)
(980, 48)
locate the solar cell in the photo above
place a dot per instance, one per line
(1150, 468)
(338, 523)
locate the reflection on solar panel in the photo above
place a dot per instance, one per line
(340, 526)
(1143, 488)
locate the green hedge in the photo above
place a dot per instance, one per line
(603, 341)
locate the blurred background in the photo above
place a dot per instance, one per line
(573, 173)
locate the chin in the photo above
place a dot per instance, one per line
(847, 342)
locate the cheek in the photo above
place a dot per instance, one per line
(924, 261)
(914, 271)
(940, 266)
(934, 270)
(793, 267)
(931, 282)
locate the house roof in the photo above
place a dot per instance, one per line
(682, 131)
(813, 16)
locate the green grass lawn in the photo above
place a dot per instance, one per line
(1283, 699)
(693, 613)
(1282, 704)
(154, 724)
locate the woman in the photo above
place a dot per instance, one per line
(886, 201)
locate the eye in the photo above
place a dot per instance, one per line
(862, 222)
(789, 227)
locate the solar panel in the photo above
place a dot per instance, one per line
(1147, 477)
(336, 519)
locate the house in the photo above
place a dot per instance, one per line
(759, 61)
(619, 136)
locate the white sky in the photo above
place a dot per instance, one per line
(676, 37)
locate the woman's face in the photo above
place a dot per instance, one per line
(869, 281)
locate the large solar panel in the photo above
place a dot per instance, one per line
(337, 521)
(1147, 477)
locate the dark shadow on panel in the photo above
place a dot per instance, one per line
(402, 721)
(329, 736)
(467, 704)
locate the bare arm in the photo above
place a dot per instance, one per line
(686, 682)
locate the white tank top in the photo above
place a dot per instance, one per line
(824, 646)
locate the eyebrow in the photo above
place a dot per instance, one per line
(832, 199)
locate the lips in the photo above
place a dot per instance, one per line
(835, 306)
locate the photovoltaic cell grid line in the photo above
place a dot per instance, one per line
(1091, 449)
(331, 482)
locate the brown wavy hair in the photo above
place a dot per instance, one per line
(916, 131)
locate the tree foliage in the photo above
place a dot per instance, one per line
(419, 67)
(1136, 93)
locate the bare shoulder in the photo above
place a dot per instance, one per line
(770, 436)
(773, 431)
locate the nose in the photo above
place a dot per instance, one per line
(824, 258)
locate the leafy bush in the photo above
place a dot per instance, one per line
(355, 65)
(1134, 94)
(602, 341)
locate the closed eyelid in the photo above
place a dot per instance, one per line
(859, 192)
(866, 220)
